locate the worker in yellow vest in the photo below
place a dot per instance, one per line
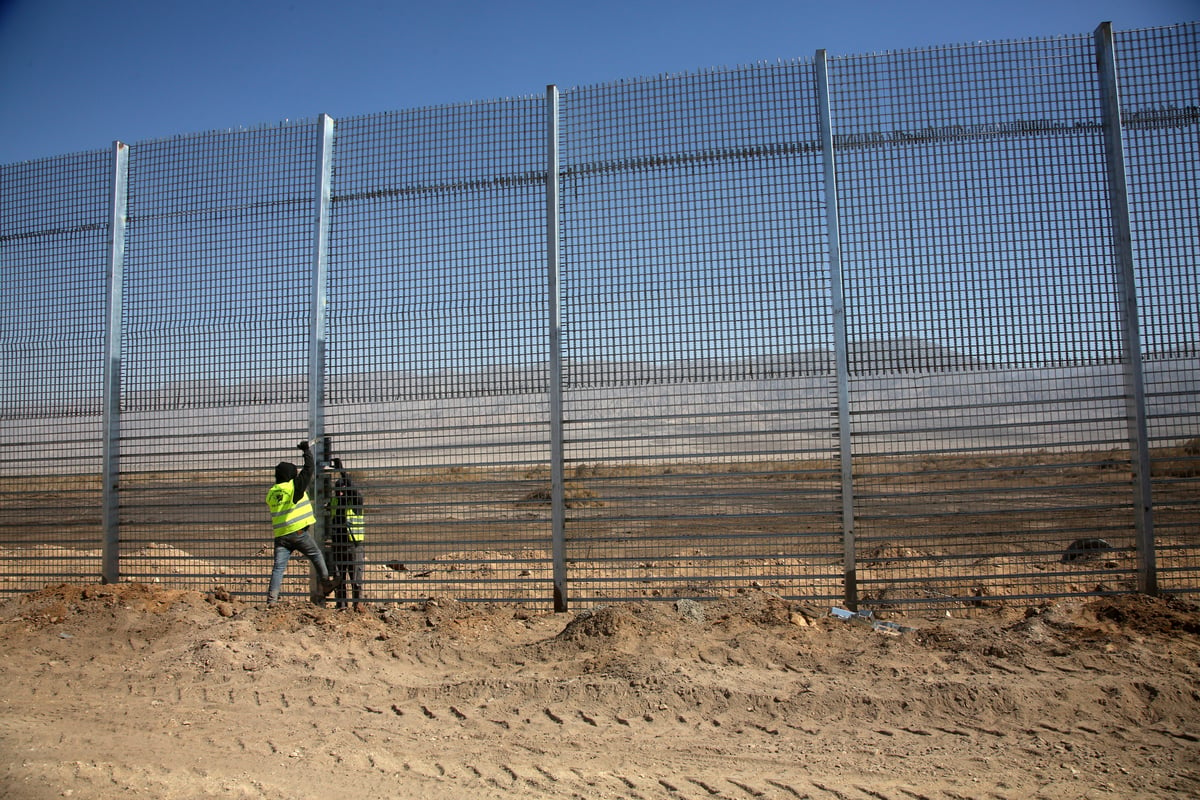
(291, 515)
(347, 533)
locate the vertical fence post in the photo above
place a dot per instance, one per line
(1122, 238)
(317, 306)
(841, 346)
(554, 300)
(111, 456)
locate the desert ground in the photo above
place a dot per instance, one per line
(135, 690)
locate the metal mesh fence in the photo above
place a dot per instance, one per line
(698, 377)
(438, 347)
(641, 278)
(53, 232)
(1160, 85)
(988, 415)
(215, 348)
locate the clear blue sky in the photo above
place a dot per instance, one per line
(77, 74)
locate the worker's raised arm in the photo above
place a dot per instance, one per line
(304, 479)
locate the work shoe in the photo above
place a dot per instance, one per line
(328, 585)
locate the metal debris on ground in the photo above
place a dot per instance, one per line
(868, 618)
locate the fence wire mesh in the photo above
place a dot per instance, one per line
(214, 348)
(438, 354)
(54, 228)
(638, 277)
(982, 297)
(699, 386)
(1160, 84)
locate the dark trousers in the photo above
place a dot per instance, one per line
(348, 565)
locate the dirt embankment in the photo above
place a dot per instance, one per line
(131, 690)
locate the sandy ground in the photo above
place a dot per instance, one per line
(138, 691)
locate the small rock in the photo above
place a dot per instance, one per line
(690, 610)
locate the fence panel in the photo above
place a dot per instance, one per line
(987, 398)
(438, 347)
(54, 224)
(1160, 87)
(699, 394)
(215, 353)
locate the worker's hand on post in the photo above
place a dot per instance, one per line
(303, 446)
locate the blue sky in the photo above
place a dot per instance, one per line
(77, 74)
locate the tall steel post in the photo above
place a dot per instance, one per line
(554, 299)
(1131, 344)
(317, 325)
(118, 202)
(841, 346)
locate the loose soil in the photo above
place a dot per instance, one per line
(133, 690)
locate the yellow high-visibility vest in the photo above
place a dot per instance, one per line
(356, 526)
(288, 516)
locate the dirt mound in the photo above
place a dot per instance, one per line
(620, 623)
(606, 621)
(1149, 615)
(62, 602)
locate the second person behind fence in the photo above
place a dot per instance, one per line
(346, 537)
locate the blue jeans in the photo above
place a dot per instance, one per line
(284, 547)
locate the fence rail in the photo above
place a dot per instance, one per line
(910, 328)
